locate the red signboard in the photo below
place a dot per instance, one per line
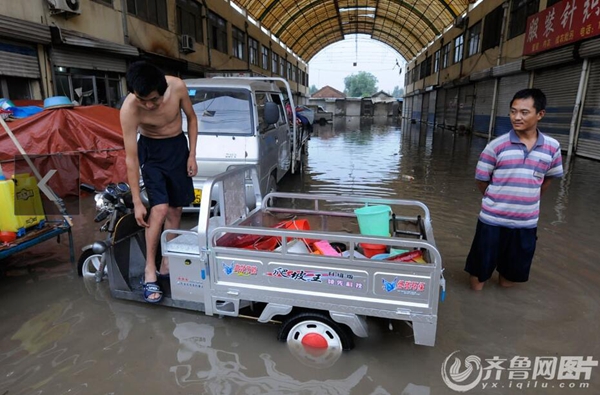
(563, 23)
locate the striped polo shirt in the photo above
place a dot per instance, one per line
(512, 199)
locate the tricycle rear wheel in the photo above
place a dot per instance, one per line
(315, 329)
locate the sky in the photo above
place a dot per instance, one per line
(331, 65)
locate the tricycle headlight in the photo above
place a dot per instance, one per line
(99, 201)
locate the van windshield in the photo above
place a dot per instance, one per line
(222, 111)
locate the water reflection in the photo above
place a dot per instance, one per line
(221, 372)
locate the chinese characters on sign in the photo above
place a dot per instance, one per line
(564, 23)
(338, 279)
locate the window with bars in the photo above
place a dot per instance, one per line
(474, 34)
(151, 11)
(189, 19)
(238, 39)
(217, 27)
(289, 71)
(492, 26)
(459, 43)
(520, 10)
(265, 57)
(282, 66)
(253, 51)
(436, 60)
(446, 55)
(416, 73)
(274, 63)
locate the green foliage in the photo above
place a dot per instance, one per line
(363, 84)
(312, 89)
(398, 92)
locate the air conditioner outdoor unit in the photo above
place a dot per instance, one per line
(66, 7)
(460, 21)
(187, 43)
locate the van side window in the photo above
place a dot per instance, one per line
(277, 100)
(261, 99)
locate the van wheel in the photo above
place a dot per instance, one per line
(315, 329)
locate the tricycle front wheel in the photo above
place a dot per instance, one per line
(89, 264)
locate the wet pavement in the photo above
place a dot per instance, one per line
(62, 335)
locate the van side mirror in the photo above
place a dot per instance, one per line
(271, 113)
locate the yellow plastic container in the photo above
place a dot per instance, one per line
(21, 204)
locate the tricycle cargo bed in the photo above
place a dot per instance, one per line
(304, 251)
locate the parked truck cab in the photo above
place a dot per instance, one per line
(241, 121)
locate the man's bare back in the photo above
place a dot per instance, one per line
(161, 119)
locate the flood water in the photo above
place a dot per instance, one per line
(62, 335)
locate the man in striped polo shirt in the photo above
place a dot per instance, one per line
(512, 173)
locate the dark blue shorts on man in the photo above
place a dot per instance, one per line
(164, 170)
(508, 250)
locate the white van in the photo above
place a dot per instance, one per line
(242, 121)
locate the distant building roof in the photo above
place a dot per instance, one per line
(327, 92)
(381, 94)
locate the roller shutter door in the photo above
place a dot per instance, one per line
(407, 107)
(87, 61)
(484, 95)
(416, 109)
(507, 88)
(18, 60)
(440, 105)
(465, 107)
(431, 112)
(451, 103)
(425, 108)
(560, 85)
(588, 142)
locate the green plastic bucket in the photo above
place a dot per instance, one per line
(374, 220)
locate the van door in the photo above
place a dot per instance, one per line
(284, 148)
(268, 144)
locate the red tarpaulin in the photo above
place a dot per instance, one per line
(92, 132)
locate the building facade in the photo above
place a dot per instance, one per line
(466, 78)
(81, 48)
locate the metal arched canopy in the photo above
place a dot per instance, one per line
(308, 26)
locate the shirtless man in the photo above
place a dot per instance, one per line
(153, 108)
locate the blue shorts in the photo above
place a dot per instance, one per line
(164, 170)
(508, 250)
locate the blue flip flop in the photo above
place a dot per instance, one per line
(152, 288)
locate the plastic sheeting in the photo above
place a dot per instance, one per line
(93, 132)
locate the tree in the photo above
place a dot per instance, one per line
(398, 92)
(312, 90)
(361, 84)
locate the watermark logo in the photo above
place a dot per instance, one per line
(462, 380)
(521, 373)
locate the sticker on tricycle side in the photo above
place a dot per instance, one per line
(280, 276)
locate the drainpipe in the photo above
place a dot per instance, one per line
(496, 82)
(124, 20)
(576, 119)
(206, 19)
